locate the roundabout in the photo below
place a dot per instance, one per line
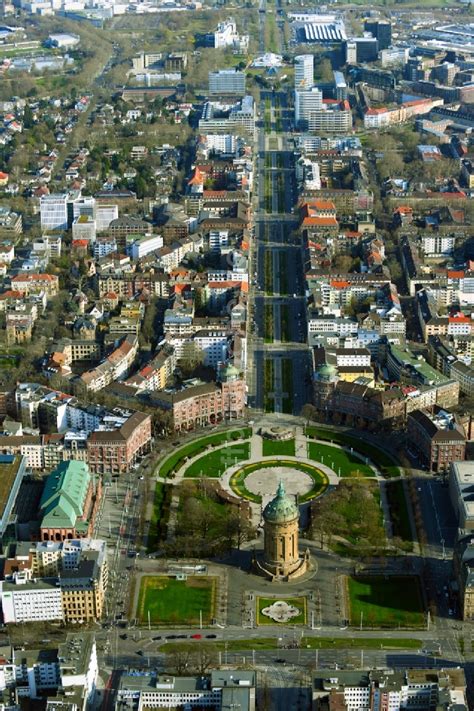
(304, 480)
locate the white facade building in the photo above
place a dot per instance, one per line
(306, 102)
(53, 212)
(227, 81)
(104, 215)
(438, 245)
(29, 601)
(304, 72)
(218, 239)
(144, 245)
(215, 346)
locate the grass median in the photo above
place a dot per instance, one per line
(266, 643)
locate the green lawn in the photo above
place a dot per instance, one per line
(389, 601)
(172, 602)
(299, 602)
(344, 463)
(215, 463)
(174, 460)
(385, 462)
(272, 447)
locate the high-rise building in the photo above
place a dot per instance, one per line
(361, 49)
(304, 71)
(305, 103)
(227, 81)
(381, 30)
(54, 212)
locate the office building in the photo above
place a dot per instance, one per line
(218, 117)
(227, 81)
(219, 690)
(361, 49)
(304, 71)
(54, 212)
(306, 103)
(381, 30)
(27, 600)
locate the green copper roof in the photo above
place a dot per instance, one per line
(281, 509)
(326, 372)
(64, 495)
(230, 372)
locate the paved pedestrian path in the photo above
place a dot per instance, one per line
(301, 449)
(256, 448)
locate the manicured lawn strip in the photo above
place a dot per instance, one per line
(267, 190)
(384, 461)
(243, 645)
(267, 117)
(215, 463)
(287, 376)
(268, 373)
(173, 601)
(344, 463)
(159, 516)
(272, 447)
(281, 192)
(299, 602)
(174, 460)
(389, 601)
(399, 510)
(285, 323)
(267, 272)
(237, 480)
(283, 266)
(268, 323)
(360, 643)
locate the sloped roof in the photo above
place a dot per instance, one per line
(64, 495)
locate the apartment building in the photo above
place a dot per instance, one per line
(76, 595)
(116, 450)
(389, 689)
(116, 366)
(83, 589)
(438, 437)
(463, 568)
(198, 403)
(29, 283)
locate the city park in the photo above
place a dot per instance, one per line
(305, 465)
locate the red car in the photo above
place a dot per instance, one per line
(196, 636)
